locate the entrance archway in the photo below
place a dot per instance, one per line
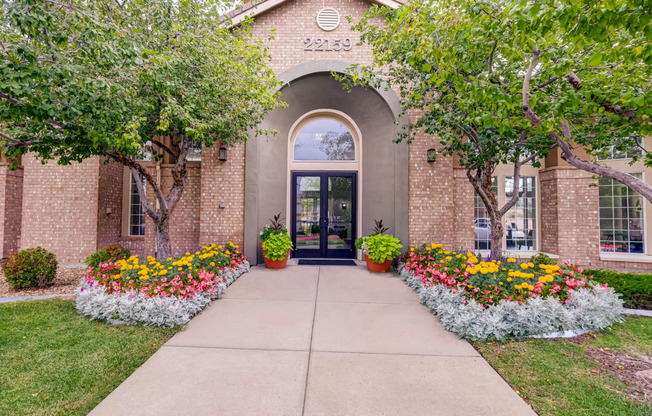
(382, 166)
(324, 153)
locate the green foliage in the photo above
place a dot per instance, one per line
(277, 246)
(111, 252)
(463, 64)
(84, 78)
(358, 242)
(636, 288)
(32, 267)
(274, 227)
(541, 258)
(382, 247)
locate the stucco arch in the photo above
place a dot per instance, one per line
(384, 184)
(328, 66)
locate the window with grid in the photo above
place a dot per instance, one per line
(613, 153)
(136, 212)
(194, 153)
(521, 219)
(622, 219)
(482, 224)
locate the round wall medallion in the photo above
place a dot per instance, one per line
(328, 19)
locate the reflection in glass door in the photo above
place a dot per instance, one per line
(307, 215)
(324, 214)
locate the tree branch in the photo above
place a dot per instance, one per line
(142, 172)
(491, 57)
(11, 100)
(602, 170)
(575, 81)
(166, 148)
(16, 142)
(531, 115)
(68, 6)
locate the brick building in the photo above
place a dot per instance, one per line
(331, 170)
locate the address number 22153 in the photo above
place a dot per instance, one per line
(327, 44)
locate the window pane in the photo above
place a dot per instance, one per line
(482, 225)
(621, 218)
(324, 140)
(521, 219)
(136, 213)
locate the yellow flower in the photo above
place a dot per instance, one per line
(509, 279)
(212, 264)
(524, 266)
(500, 283)
(511, 260)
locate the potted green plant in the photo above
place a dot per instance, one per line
(276, 250)
(274, 227)
(379, 251)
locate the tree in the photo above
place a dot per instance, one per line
(587, 78)
(580, 68)
(452, 79)
(109, 78)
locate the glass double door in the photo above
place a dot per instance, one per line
(324, 214)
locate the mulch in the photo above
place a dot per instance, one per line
(636, 372)
(66, 282)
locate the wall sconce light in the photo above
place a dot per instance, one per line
(221, 155)
(432, 155)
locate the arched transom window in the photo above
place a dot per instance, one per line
(324, 139)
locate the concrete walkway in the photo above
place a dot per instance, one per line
(315, 341)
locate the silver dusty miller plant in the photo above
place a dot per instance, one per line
(133, 308)
(589, 310)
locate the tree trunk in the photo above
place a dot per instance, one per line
(163, 245)
(497, 232)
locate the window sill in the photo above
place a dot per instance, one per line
(632, 258)
(132, 237)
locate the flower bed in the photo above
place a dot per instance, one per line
(497, 300)
(159, 293)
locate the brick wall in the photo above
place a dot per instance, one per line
(11, 196)
(222, 183)
(295, 20)
(109, 198)
(464, 215)
(570, 224)
(60, 208)
(432, 195)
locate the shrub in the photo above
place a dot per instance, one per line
(33, 267)
(636, 288)
(111, 252)
(358, 243)
(541, 258)
(382, 247)
(276, 247)
(117, 252)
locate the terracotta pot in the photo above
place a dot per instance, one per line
(378, 267)
(276, 264)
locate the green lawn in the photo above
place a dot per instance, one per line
(55, 362)
(557, 378)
